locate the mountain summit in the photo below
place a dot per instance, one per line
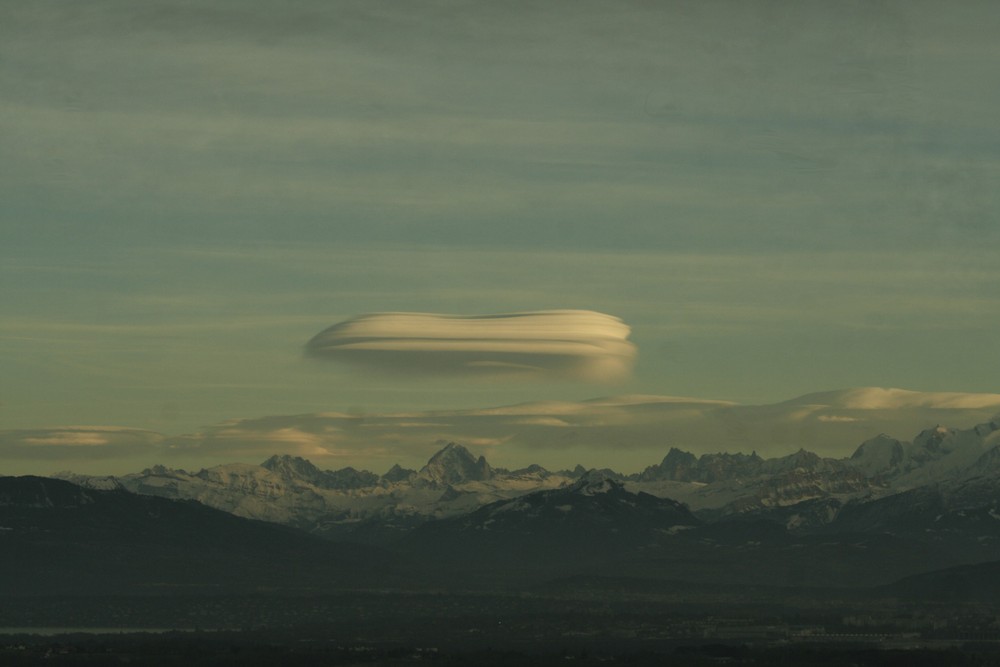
(298, 469)
(294, 467)
(455, 464)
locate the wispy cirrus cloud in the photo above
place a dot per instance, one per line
(553, 344)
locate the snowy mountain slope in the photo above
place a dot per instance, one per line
(291, 491)
(732, 483)
(580, 527)
(353, 504)
(297, 468)
(880, 455)
(595, 502)
(454, 465)
(95, 482)
(943, 453)
(597, 527)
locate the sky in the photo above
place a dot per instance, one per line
(777, 198)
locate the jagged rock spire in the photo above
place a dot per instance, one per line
(455, 464)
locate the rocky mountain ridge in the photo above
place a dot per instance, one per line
(454, 482)
(892, 510)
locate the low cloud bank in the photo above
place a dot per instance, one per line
(879, 398)
(554, 344)
(622, 432)
(77, 442)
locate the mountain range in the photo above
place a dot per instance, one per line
(891, 510)
(291, 490)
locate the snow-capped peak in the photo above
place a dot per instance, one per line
(297, 469)
(291, 466)
(594, 482)
(455, 464)
(879, 454)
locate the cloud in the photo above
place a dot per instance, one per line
(318, 437)
(553, 344)
(880, 398)
(72, 442)
(623, 432)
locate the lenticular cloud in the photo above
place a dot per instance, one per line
(555, 344)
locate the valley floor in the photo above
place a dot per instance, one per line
(389, 628)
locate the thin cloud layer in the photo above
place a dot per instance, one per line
(623, 432)
(77, 442)
(553, 344)
(879, 398)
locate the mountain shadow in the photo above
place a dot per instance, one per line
(56, 537)
(547, 533)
